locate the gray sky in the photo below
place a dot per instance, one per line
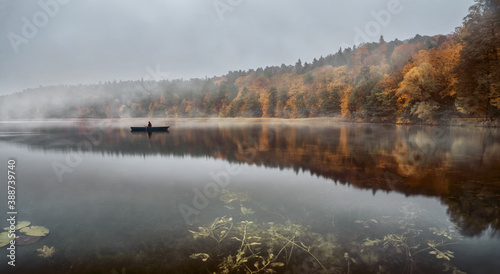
(76, 41)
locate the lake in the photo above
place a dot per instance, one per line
(244, 195)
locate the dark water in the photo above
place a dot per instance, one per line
(320, 197)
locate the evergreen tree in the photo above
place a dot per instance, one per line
(299, 69)
(330, 102)
(235, 108)
(357, 98)
(253, 106)
(381, 106)
(312, 110)
(308, 78)
(273, 100)
(300, 106)
(381, 40)
(478, 71)
(282, 108)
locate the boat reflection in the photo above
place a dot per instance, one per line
(149, 133)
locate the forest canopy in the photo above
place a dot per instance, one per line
(425, 79)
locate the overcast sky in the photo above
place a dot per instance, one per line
(76, 41)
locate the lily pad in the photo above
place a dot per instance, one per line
(27, 239)
(35, 230)
(20, 225)
(4, 239)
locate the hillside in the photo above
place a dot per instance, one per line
(426, 79)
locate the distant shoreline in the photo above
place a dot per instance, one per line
(456, 122)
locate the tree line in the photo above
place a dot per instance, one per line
(425, 79)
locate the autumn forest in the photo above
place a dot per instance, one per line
(425, 79)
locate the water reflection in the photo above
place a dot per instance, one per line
(149, 134)
(460, 166)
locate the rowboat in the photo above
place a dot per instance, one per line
(149, 129)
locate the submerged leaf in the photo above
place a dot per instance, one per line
(369, 242)
(246, 211)
(203, 256)
(277, 264)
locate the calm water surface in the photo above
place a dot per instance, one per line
(234, 196)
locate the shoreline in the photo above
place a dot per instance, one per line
(457, 122)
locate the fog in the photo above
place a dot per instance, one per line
(51, 42)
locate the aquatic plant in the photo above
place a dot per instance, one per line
(35, 230)
(367, 223)
(398, 243)
(203, 256)
(246, 211)
(46, 251)
(447, 233)
(349, 260)
(403, 242)
(451, 269)
(232, 199)
(26, 234)
(229, 197)
(439, 254)
(4, 239)
(218, 230)
(249, 251)
(19, 225)
(24, 239)
(262, 248)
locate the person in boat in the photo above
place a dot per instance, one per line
(149, 124)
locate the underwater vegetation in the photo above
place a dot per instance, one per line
(407, 246)
(19, 225)
(4, 236)
(46, 251)
(27, 234)
(4, 239)
(258, 248)
(35, 230)
(240, 242)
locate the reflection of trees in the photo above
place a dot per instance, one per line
(410, 160)
(474, 207)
